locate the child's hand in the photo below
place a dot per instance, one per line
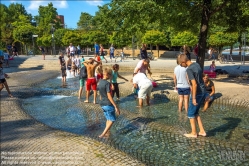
(117, 110)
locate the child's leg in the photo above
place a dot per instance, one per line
(180, 103)
(202, 131)
(7, 88)
(186, 100)
(117, 91)
(107, 128)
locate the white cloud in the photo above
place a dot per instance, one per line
(34, 5)
(95, 3)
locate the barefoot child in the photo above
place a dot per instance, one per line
(194, 73)
(3, 82)
(107, 103)
(115, 75)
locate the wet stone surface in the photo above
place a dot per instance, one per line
(154, 134)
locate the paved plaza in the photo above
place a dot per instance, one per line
(27, 141)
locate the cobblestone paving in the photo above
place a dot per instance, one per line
(24, 141)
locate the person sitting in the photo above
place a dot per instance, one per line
(210, 91)
(212, 66)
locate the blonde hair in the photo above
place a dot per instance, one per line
(107, 70)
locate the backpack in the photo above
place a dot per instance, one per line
(83, 73)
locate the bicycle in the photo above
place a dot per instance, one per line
(222, 59)
(121, 55)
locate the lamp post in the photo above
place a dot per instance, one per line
(243, 38)
(53, 43)
(34, 43)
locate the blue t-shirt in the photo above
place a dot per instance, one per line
(112, 49)
(96, 47)
(194, 72)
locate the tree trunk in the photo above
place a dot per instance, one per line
(157, 47)
(203, 32)
(231, 49)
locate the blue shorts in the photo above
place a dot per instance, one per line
(211, 97)
(97, 52)
(109, 112)
(193, 110)
(183, 91)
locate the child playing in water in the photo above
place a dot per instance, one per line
(3, 82)
(115, 75)
(107, 103)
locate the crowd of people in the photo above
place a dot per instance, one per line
(194, 88)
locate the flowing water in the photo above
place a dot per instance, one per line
(152, 134)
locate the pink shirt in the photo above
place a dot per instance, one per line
(141, 67)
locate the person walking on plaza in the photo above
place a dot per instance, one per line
(107, 103)
(185, 50)
(42, 51)
(102, 54)
(78, 50)
(143, 52)
(96, 49)
(182, 86)
(63, 68)
(3, 82)
(211, 54)
(6, 59)
(91, 81)
(112, 49)
(194, 73)
(14, 50)
(72, 50)
(116, 75)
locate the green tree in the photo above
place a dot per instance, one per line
(155, 37)
(120, 39)
(99, 37)
(58, 36)
(221, 39)
(85, 22)
(182, 38)
(47, 18)
(71, 36)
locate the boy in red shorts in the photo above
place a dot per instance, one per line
(91, 81)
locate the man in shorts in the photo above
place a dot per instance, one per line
(91, 81)
(145, 86)
(194, 73)
(107, 103)
(72, 50)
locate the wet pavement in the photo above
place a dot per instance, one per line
(47, 125)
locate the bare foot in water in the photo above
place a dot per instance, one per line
(86, 101)
(202, 134)
(190, 135)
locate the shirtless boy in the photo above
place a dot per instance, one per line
(91, 81)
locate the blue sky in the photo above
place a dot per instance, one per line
(70, 9)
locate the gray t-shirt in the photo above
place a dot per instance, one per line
(181, 77)
(104, 87)
(195, 73)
